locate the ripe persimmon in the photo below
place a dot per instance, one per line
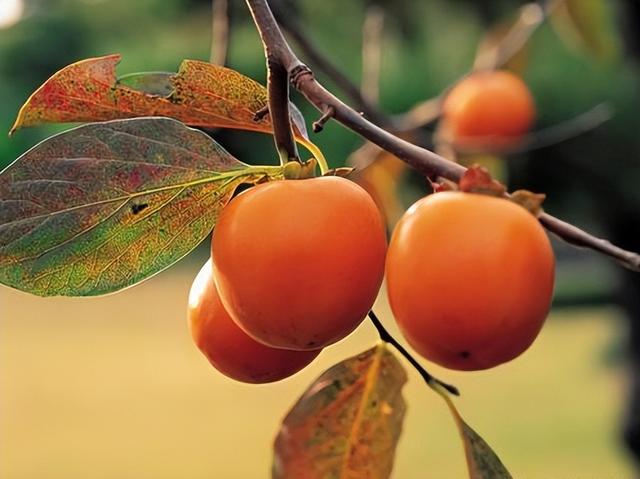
(229, 349)
(470, 279)
(299, 262)
(488, 108)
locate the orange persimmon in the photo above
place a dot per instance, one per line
(488, 108)
(299, 262)
(229, 349)
(470, 279)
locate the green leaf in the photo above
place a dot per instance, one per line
(482, 461)
(104, 206)
(347, 424)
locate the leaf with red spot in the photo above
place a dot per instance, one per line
(104, 206)
(347, 424)
(200, 94)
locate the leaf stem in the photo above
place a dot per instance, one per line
(433, 382)
(317, 154)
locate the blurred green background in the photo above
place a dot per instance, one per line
(112, 387)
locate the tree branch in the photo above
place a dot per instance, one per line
(577, 237)
(280, 60)
(423, 160)
(315, 56)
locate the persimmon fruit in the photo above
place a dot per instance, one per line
(488, 108)
(299, 262)
(469, 278)
(229, 349)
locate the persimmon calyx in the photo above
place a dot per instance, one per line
(294, 170)
(478, 180)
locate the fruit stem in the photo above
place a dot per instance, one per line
(431, 381)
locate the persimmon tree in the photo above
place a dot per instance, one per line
(298, 259)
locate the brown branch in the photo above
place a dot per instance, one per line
(318, 125)
(577, 237)
(277, 80)
(421, 159)
(319, 60)
(219, 32)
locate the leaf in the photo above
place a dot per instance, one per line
(532, 202)
(347, 424)
(200, 94)
(587, 25)
(482, 461)
(478, 180)
(104, 206)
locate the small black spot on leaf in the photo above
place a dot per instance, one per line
(137, 208)
(465, 354)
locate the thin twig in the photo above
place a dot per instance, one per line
(372, 35)
(318, 59)
(261, 113)
(531, 16)
(387, 338)
(219, 32)
(318, 125)
(576, 126)
(423, 160)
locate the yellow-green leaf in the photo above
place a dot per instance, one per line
(103, 206)
(347, 424)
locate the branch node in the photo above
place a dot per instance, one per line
(261, 113)
(318, 125)
(298, 74)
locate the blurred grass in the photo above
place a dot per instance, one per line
(113, 388)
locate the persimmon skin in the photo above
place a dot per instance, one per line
(229, 349)
(469, 279)
(299, 262)
(488, 108)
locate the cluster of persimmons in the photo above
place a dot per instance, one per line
(297, 264)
